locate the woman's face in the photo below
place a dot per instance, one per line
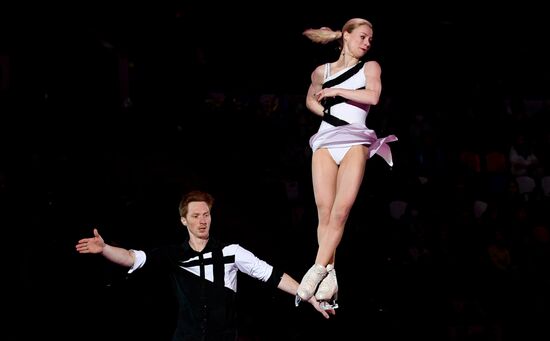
(359, 40)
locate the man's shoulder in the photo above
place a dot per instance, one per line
(221, 242)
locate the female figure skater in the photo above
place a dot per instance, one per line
(341, 93)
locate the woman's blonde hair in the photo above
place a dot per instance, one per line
(325, 35)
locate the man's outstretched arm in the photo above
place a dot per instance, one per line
(115, 254)
(289, 285)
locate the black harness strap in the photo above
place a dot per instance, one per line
(329, 102)
(344, 76)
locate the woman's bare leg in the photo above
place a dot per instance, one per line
(348, 182)
(335, 189)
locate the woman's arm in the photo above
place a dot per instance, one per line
(312, 101)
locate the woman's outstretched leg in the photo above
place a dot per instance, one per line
(348, 182)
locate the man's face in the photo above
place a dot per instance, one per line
(198, 219)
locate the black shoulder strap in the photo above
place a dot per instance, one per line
(328, 102)
(344, 76)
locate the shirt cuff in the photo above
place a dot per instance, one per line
(275, 278)
(139, 260)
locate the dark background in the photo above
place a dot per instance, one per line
(76, 153)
